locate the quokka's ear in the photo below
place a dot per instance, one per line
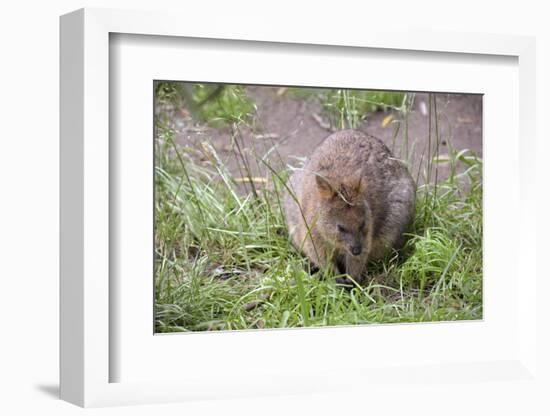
(325, 188)
(360, 182)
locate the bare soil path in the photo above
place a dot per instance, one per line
(290, 127)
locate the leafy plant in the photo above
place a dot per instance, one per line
(219, 105)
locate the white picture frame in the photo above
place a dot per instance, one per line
(87, 356)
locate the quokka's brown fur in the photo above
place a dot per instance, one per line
(356, 200)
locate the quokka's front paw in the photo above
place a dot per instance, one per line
(344, 281)
(355, 269)
(349, 281)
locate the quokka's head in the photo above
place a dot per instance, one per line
(344, 214)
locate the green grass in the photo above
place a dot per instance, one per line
(224, 261)
(348, 108)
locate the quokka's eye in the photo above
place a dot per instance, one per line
(341, 229)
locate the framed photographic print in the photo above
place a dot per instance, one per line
(282, 213)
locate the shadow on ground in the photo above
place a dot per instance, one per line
(51, 390)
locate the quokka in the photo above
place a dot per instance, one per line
(351, 203)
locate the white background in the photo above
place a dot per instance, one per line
(29, 179)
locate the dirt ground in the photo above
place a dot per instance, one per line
(290, 127)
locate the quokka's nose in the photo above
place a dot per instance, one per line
(356, 250)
